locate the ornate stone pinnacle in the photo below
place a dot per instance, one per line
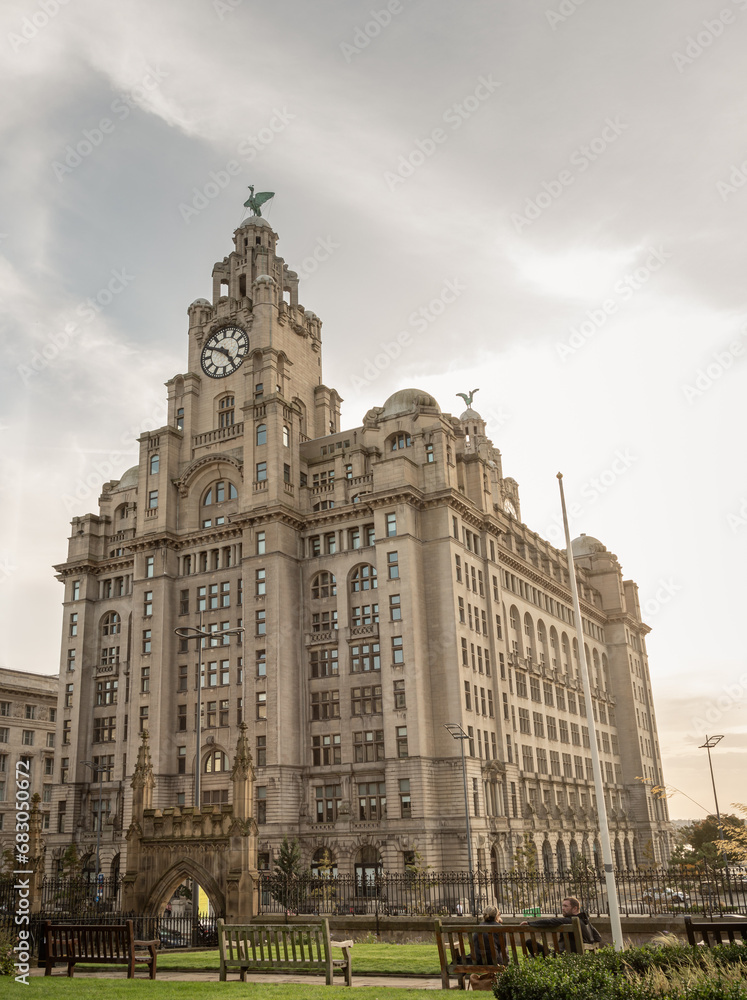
(242, 762)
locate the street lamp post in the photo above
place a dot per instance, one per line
(98, 769)
(455, 730)
(201, 635)
(710, 742)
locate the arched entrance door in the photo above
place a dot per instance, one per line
(368, 865)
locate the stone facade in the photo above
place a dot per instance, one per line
(386, 586)
(28, 723)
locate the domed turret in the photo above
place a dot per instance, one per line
(585, 545)
(406, 400)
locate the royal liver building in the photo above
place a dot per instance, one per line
(386, 587)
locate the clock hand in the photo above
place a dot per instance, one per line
(222, 350)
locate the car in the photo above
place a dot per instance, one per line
(665, 896)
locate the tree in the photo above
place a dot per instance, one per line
(285, 885)
(736, 837)
(701, 843)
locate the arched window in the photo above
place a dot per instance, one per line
(574, 850)
(111, 624)
(566, 652)
(363, 578)
(220, 491)
(154, 463)
(261, 434)
(286, 437)
(216, 762)
(560, 856)
(400, 441)
(323, 585)
(547, 857)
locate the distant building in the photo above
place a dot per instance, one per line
(386, 586)
(28, 722)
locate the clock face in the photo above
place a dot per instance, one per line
(224, 351)
(509, 508)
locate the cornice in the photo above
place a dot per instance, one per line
(552, 587)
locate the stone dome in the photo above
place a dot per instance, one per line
(264, 279)
(129, 479)
(199, 302)
(258, 221)
(470, 414)
(406, 400)
(585, 545)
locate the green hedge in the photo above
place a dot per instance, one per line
(674, 972)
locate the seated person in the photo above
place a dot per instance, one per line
(481, 950)
(570, 908)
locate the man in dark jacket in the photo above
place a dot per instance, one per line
(570, 908)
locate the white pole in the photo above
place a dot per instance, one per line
(604, 832)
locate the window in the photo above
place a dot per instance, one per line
(563, 726)
(286, 473)
(261, 434)
(76, 590)
(145, 680)
(369, 534)
(147, 640)
(260, 620)
(216, 762)
(50, 740)
(578, 764)
(527, 758)
(111, 624)
(223, 712)
(143, 717)
(147, 603)
(261, 475)
(372, 800)
(400, 441)
(398, 653)
(323, 585)
(330, 543)
(326, 750)
(429, 456)
(106, 692)
(152, 499)
(325, 705)
(104, 729)
(154, 463)
(534, 688)
(259, 391)
(5, 707)
(261, 704)
(260, 539)
(354, 538)
(368, 746)
(69, 695)
(365, 614)
(261, 751)
(365, 657)
(73, 630)
(524, 725)
(328, 798)
(28, 737)
(180, 419)
(286, 437)
(220, 491)
(150, 566)
(401, 741)
(539, 724)
(324, 621)
(575, 735)
(399, 694)
(181, 718)
(395, 608)
(181, 760)
(552, 732)
(541, 760)
(4, 734)
(365, 700)
(363, 578)
(391, 525)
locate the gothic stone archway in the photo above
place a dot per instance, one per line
(215, 845)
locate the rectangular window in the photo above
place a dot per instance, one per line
(150, 566)
(555, 763)
(73, 630)
(261, 704)
(368, 746)
(181, 760)
(223, 712)
(104, 730)
(147, 640)
(524, 725)
(563, 726)
(527, 758)
(402, 741)
(365, 614)
(468, 696)
(578, 764)
(369, 534)
(261, 476)
(539, 724)
(152, 499)
(399, 694)
(391, 525)
(325, 705)
(181, 718)
(395, 608)
(260, 618)
(575, 735)
(392, 559)
(328, 798)
(465, 653)
(143, 717)
(365, 657)
(534, 688)
(363, 700)
(145, 680)
(261, 543)
(28, 737)
(398, 653)
(326, 749)
(324, 662)
(541, 760)
(261, 752)
(4, 734)
(372, 800)
(261, 804)
(552, 731)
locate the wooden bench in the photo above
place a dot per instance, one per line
(713, 932)
(505, 942)
(98, 944)
(282, 948)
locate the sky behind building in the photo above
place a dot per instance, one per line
(545, 200)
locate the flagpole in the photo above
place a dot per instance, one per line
(604, 831)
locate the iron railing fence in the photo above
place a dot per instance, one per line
(81, 894)
(641, 892)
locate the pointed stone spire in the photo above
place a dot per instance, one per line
(242, 776)
(143, 780)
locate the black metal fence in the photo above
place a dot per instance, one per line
(515, 894)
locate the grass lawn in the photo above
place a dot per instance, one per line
(81, 988)
(368, 959)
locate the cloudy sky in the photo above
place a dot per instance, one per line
(574, 172)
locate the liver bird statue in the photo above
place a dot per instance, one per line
(255, 201)
(468, 396)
